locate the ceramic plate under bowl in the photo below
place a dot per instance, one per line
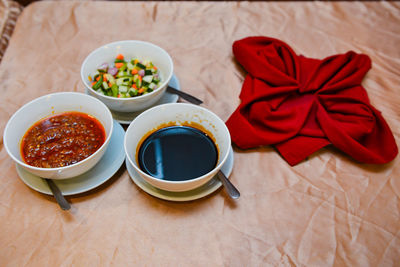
(128, 117)
(194, 194)
(100, 173)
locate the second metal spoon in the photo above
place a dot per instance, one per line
(229, 187)
(58, 195)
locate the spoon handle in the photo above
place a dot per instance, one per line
(229, 187)
(186, 96)
(58, 195)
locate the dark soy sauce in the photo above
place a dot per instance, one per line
(177, 153)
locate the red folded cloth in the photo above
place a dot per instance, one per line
(301, 104)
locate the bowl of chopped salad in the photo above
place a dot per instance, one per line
(127, 76)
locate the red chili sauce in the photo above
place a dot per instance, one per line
(62, 140)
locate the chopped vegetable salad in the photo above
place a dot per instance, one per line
(126, 78)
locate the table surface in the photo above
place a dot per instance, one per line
(326, 211)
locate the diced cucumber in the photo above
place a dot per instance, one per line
(148, 78)
(119, 81)
(123, 74)
(140, 65)
(138, 83)
(110, 78)
(98, 83)
(114, 89)
(152, 85)
(105, 85)
(123, 89)
(133, 92)
(130, 66)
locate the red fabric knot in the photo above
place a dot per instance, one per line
(301, 104)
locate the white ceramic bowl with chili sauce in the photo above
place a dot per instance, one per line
(49, 105)
(129, 49)
(177, 114)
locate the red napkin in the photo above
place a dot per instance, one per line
(301, 104)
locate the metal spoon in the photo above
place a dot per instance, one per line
(58, 195)
(229, 187)
(184, 95)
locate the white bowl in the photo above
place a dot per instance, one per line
(178, 113)
(48, 105)
(130, 49)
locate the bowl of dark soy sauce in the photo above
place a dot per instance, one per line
(177, 147)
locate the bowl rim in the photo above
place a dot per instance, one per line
(161, 86)
(215, 169)
(22, 163)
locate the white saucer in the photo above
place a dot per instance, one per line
(128, 117)
(100, 173)
(197, 193)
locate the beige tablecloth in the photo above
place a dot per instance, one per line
(326, 211)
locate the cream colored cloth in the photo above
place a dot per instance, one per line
(327, 211)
